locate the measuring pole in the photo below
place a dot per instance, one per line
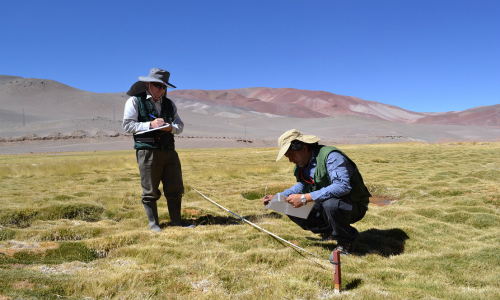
(337, 275)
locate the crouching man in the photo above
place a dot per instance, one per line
(328, 180)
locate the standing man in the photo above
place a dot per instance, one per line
(149, 108)
(329, 180)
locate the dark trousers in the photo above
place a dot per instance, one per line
(334, 216)
(157, 165)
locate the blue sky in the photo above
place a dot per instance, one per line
(420, 55)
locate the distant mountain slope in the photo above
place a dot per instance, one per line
(478, 116)
(298, 103)
(49, 99)
(6, 78)
(319, 104)
(44, 99)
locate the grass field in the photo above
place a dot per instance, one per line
(72, 227)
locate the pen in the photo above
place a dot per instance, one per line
(152, 116)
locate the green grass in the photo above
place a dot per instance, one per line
(72, 226)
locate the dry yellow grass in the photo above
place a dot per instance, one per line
(438, 238)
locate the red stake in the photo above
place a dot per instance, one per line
(336, 263)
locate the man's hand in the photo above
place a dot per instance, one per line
(294, 200)
(157, 123)
(267, 199)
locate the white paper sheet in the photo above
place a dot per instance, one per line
(279, 204)
(157, 128)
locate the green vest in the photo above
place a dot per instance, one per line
(358, 193)
(157, 138)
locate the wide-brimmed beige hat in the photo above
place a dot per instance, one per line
(286, 139)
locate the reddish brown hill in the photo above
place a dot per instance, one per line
(298, 103)
(319, 104)
(478, 116)
(233, 98)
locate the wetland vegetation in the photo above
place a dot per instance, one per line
(72, 227)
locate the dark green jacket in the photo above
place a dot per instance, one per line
(157, 138)
(358, 193)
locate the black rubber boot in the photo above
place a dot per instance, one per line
(174, 210)
(152, 213)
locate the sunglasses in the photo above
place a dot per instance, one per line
(159, 85)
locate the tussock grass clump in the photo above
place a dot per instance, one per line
(7, 234)
(18, 217)
(64, 232)
(24, 283)
(73, 226)
(64, 252)
(75, 210)
(104, 245)
(22, 217)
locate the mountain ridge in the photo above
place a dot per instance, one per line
(32, 107)
(290, 102)
(285, 102)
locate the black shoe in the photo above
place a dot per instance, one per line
(325, 237)
(344, 248)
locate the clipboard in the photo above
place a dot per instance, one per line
(153, 129)
(279, 204)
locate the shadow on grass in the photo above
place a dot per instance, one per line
(214, 220)
(353, 284)
(382, 242)
(374, 241)
(385, 243)
(230, 220)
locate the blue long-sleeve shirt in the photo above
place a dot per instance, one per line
(340, 171)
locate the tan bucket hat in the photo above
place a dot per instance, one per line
(286, 139)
